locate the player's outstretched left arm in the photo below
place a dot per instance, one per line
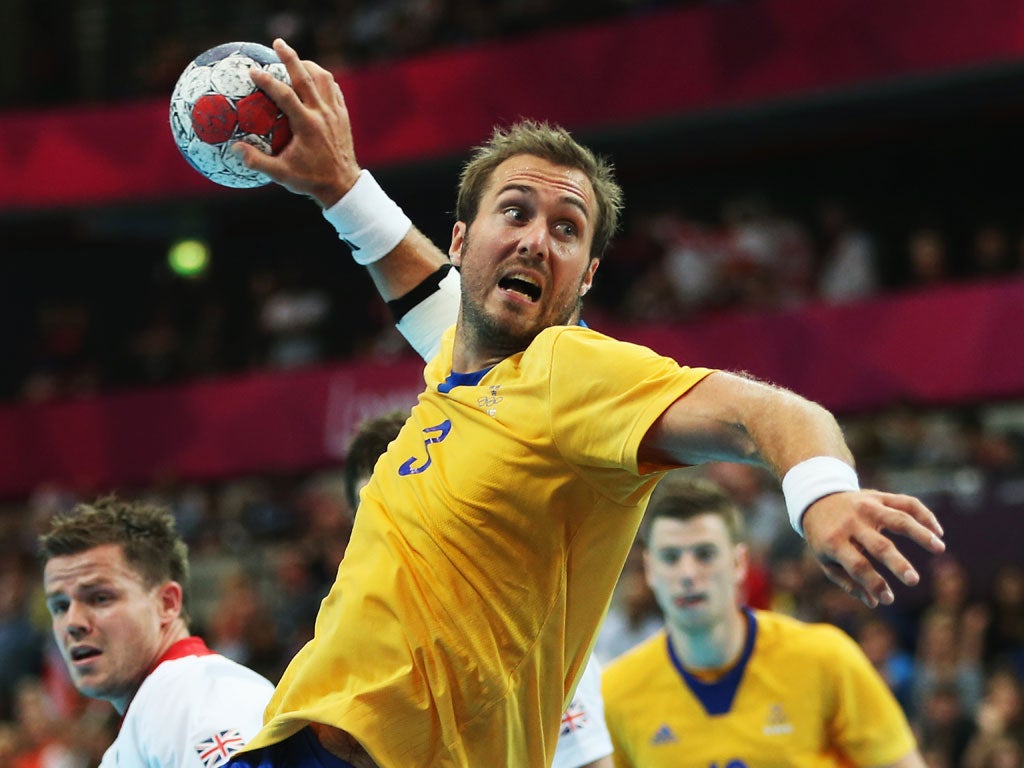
(320, 162)
(727, 417)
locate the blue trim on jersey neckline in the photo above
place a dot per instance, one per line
(462, 380)
(717, 697)
(472, 379)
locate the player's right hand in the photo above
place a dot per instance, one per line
(320, 160)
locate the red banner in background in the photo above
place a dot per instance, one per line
(954, 345)
(670, 63)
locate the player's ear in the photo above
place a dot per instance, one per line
(648, 568)
(588, 278)
(742, 555)
(458, 241)
(170, 596)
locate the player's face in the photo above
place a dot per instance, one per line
(525, 259)
(108, 625)
(694, 570)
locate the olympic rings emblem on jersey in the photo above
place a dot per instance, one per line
(491, 400)
(409, 467)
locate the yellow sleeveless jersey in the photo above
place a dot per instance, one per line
(483, 556)
(801, 695)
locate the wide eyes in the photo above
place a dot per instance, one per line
(565, 229)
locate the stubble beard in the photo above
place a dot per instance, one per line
(503, 338)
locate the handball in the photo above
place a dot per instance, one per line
(215, 104)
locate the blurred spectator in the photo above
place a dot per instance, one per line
(898, 434)
(634, 252)
(848, 268)
(928, 259)
(768, 263)
(293, 315)
(691, 271)
(999, 724)
(879, 641)
(943, 727)
(758, 494)
(45, 742)
(63, 363)
(990, 449)
(941, 665)
(20, 642)
(989, 252)
(242, 626)
(8, 743)
(297, 597)
(1004, 636)
(634, 615)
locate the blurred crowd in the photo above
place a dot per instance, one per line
(114, 50)
(264, 551)
(258, 309)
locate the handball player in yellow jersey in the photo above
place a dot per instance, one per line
(490, 537)
(729, 686)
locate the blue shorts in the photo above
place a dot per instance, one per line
(300, 750)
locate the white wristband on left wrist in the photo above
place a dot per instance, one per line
(814, 479)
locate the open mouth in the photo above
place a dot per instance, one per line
(83, 652)
(521, 285)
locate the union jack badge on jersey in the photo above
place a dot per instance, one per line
(215, 751)
(573, 719)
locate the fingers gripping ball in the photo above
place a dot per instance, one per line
(215, 104)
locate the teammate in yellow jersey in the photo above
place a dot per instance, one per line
(490, 537)
(723, 685)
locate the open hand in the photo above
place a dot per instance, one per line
(320, 159)
(846, 533)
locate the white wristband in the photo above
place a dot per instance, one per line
(368, 221)
(814, 479)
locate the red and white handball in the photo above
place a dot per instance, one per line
(215, 104)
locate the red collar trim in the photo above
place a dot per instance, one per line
(188, 646)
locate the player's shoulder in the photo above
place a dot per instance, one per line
(813, 640)
(572, 334)
(630, 670)
(201, 676)
(575, 347)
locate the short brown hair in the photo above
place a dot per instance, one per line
(682, 497)
(371, 440)
(145, 532)
(552, 143)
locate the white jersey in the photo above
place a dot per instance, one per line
(584, 736)
(194, 710)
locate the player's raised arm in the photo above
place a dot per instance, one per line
(734, 418)
(320, 162)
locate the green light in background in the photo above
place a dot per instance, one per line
(188, 258)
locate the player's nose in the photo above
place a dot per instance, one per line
(76, 621)
(535, 240)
